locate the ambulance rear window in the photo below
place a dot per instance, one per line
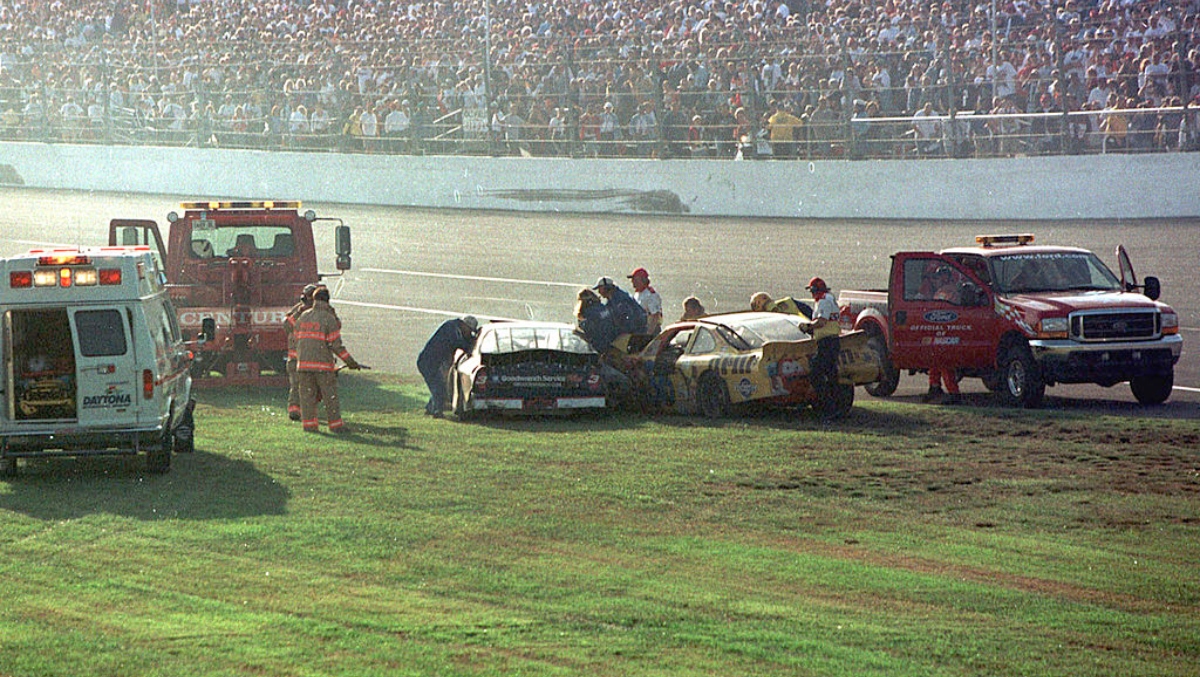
(101, 333)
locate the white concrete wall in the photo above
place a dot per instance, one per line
(1070, 187)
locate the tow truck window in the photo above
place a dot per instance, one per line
(101, 333)
(250, 241)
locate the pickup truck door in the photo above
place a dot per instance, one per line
(940, 314)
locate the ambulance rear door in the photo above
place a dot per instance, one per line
(110, 383)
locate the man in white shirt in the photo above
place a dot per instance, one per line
(648, 299)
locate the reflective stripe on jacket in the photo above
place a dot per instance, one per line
(319, 339)
(289, 327)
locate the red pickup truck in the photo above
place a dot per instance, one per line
(1021, 317)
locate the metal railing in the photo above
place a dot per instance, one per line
(577, 133)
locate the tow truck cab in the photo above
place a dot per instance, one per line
(240, 266)
(92, 358)
(1023, 316)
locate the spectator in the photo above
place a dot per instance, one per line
(927, 130)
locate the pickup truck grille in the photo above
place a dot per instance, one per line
(1115, 326)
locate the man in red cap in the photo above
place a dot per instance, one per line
(825, 330)
(648, 299)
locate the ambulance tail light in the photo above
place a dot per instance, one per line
(147, 384)
(110, 276)
(20, 279)
(45, 278)
(86, 277)
(64, 277)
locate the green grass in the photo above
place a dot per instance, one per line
(906, 540)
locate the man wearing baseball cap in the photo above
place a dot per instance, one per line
(629, 317)
(436, 357)
(648, 299)
(825, 330)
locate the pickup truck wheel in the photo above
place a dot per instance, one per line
(1022, 384)
(993, 380)
(712, 396)
(1152, 389)
(889, 376)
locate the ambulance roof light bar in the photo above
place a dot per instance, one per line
(993, 240)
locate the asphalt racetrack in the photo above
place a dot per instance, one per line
(414, 268)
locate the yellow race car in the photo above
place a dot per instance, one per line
(710, 365)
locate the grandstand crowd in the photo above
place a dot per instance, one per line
(652, 78)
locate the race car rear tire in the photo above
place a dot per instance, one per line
(458, 401)
(1150, 390)
(889, 377)
(1022, 384)
(712, 397)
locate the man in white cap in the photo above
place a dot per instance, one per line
(435, 358)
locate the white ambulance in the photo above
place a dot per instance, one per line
(91, 358)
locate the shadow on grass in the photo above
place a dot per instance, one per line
(361, 432)
(1064, 406)
(200, 486)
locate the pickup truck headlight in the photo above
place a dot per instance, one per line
(1170, 323)
(1054, 325)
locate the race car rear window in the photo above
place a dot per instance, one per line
(505, 339)
(759, 331)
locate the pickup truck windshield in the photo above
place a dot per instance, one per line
(1025, 272)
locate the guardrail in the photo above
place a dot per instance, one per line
(464, 132)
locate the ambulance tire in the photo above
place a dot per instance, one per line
(712, 397)
(184, 433)
(1022, 377)
(889, 377)
(158, 461)
(8, 467)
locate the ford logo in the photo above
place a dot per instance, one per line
(940, 316)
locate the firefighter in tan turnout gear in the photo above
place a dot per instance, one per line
(318, 346)
(289, 326)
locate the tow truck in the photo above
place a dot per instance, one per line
(233, 269)
(1021, 317)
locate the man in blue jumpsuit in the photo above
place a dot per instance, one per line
(434, 360)
(628, 314)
